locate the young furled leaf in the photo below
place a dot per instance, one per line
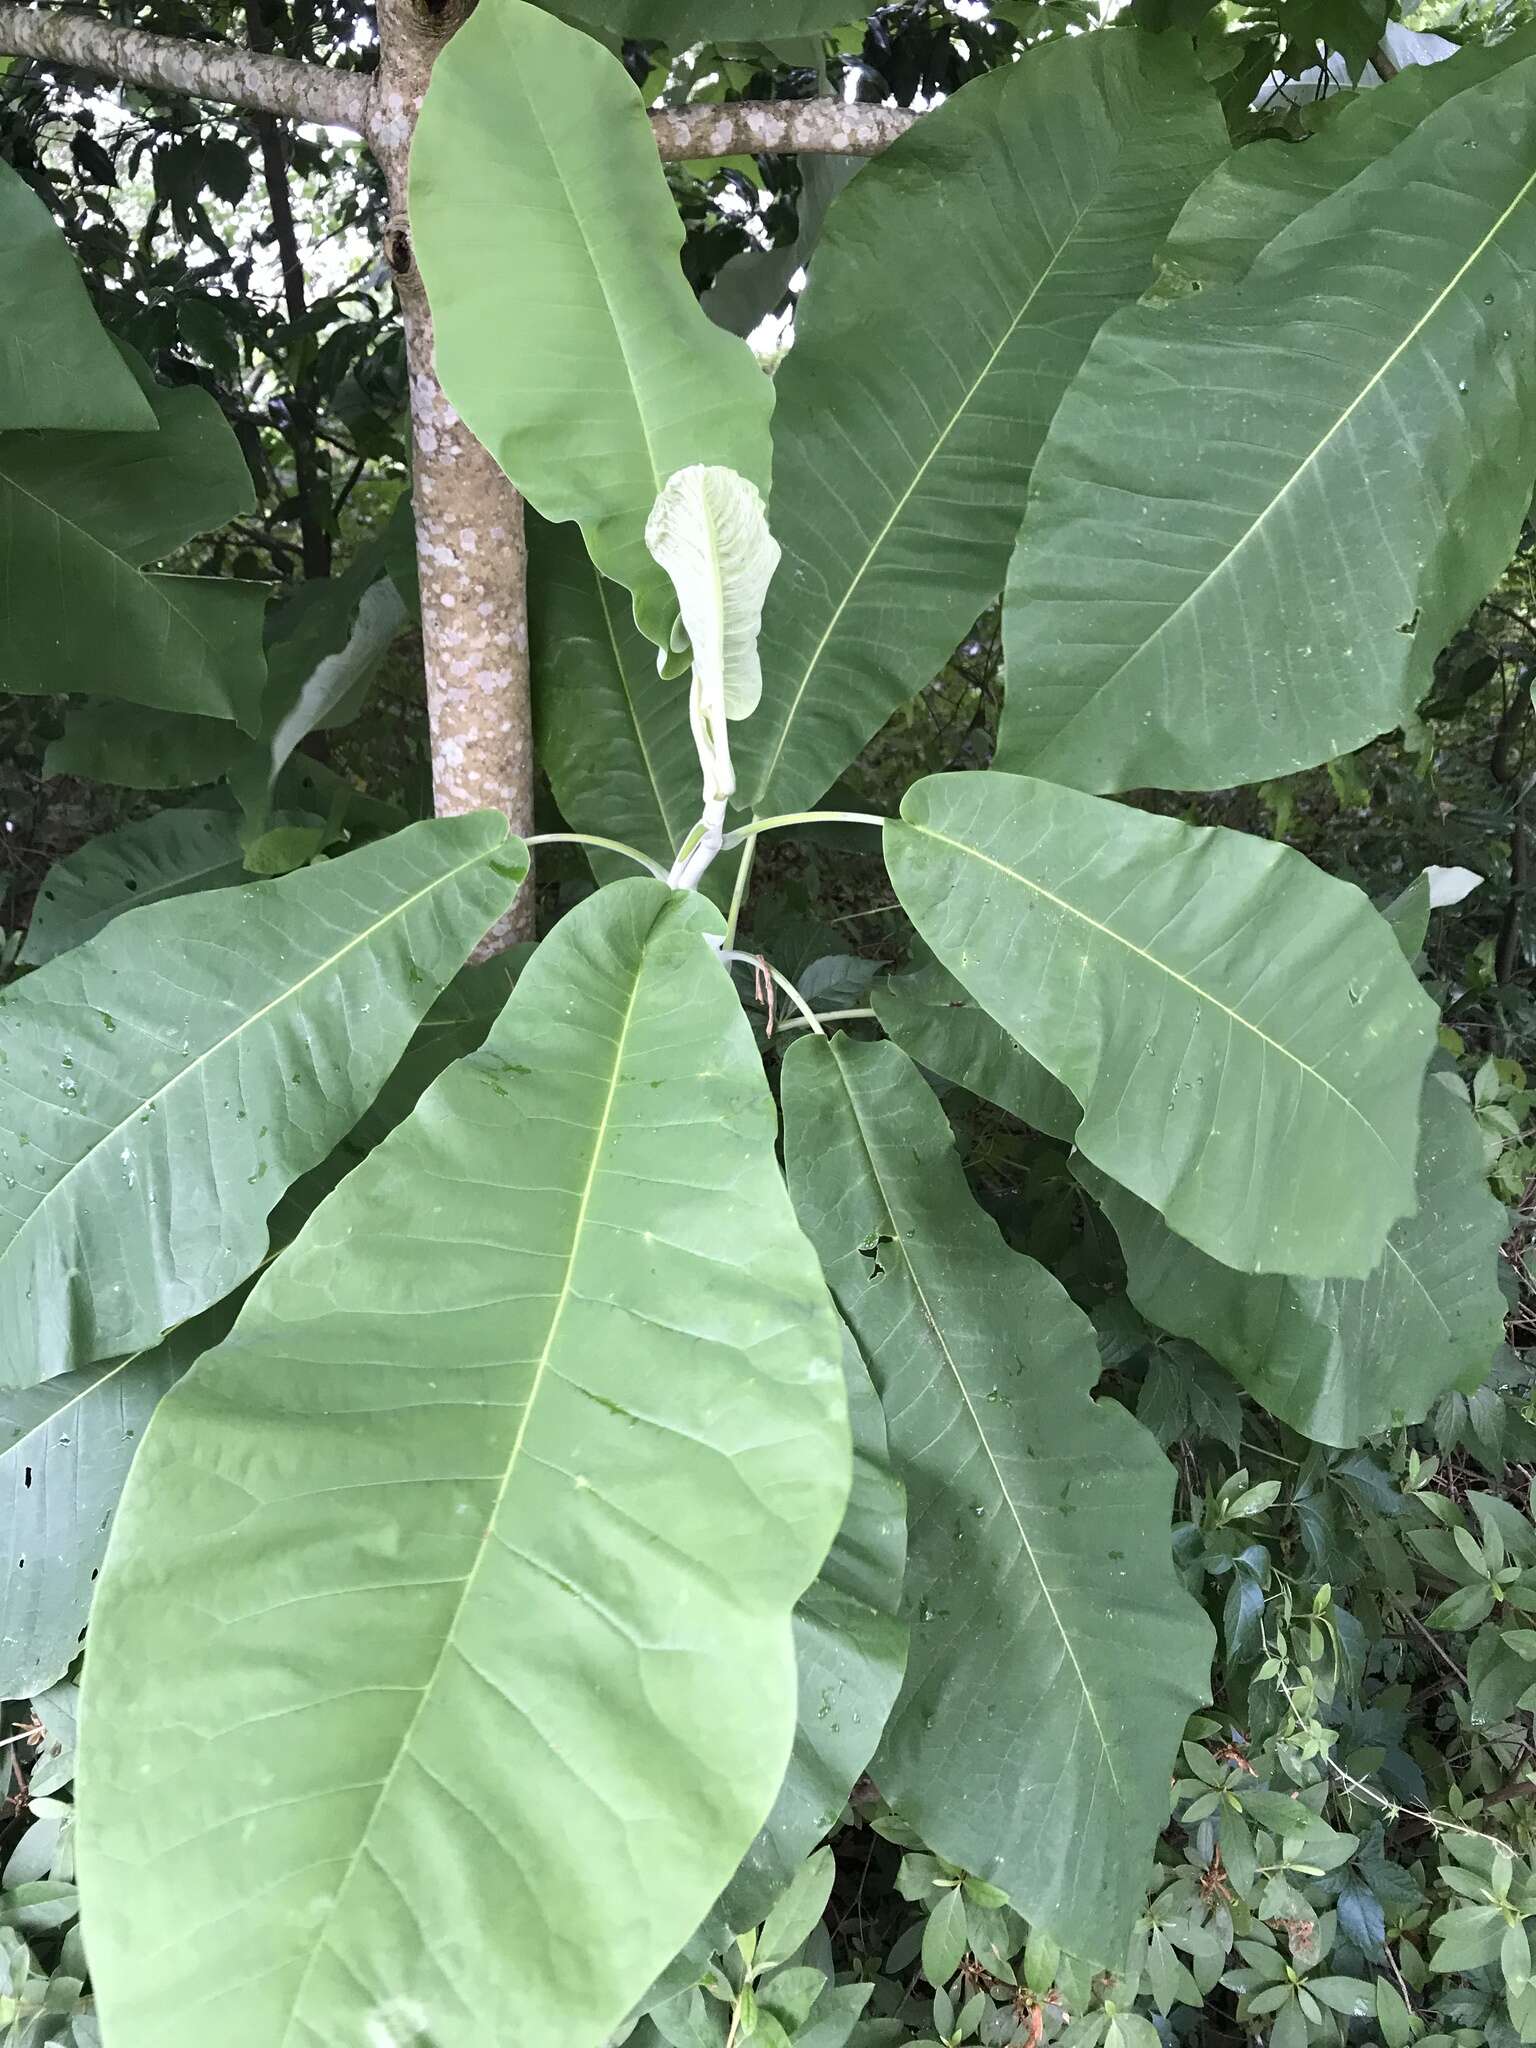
(709, 530)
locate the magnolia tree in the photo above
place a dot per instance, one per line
(572, 1468)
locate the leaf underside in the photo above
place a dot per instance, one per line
(1340, 1359)
(539, 1432)
(547, 236)
(907, 422)
(1055, 1657)
(1242, 1031)
(163, 1084)
(1296, 485)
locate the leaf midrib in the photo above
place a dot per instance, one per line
(1161, 966)
(386, 1785)
(941, 440)
(245, 1024)
(1303, 468)
(978, 1425)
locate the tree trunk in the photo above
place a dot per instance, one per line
(470, 549)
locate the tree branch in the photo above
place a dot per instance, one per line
(206, 71)
(778, 127)
(270, 84)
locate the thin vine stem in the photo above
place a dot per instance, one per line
(745, 832)
(609, 846)
(1395, 1809)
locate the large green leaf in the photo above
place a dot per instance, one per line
(1258, 191)
(163, 1084)
(1263, 509)
(1339, 1359)
(135, 748)
(80, 516)
(324, 642)
(547, 237)
(58, 367)
(464, 1571)
(1055, 1656)
(1243, 1033)
(146, 861)
(1032, 202)
(941, 1026)
(65, 1450)
(613, 734)
(850, 1654)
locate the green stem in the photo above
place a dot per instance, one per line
(745, 832)
(827, 1017)
(739, 892)
(608, 845)
(780, 980)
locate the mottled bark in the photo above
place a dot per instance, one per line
(207, 71)
(471, 554)
(309, 92)
(778, 127)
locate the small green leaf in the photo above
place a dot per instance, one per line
(944, 1938)
(800, 1909)
(1464, 1608)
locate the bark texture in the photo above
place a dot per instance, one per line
(778, 127)
(342, 99)
(471, 554)
(207, 71)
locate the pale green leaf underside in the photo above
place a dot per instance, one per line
(850, 1654)
(1262, 510)
(547, 238)
(1054, 1656)
(1242, 1031)
(65, 1450)
(81, 514)
(709, 530)
(164, 1083)
(1340, 1359)
(1029, 206)
(146, 861)
(58, 367)
(537, 1434)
